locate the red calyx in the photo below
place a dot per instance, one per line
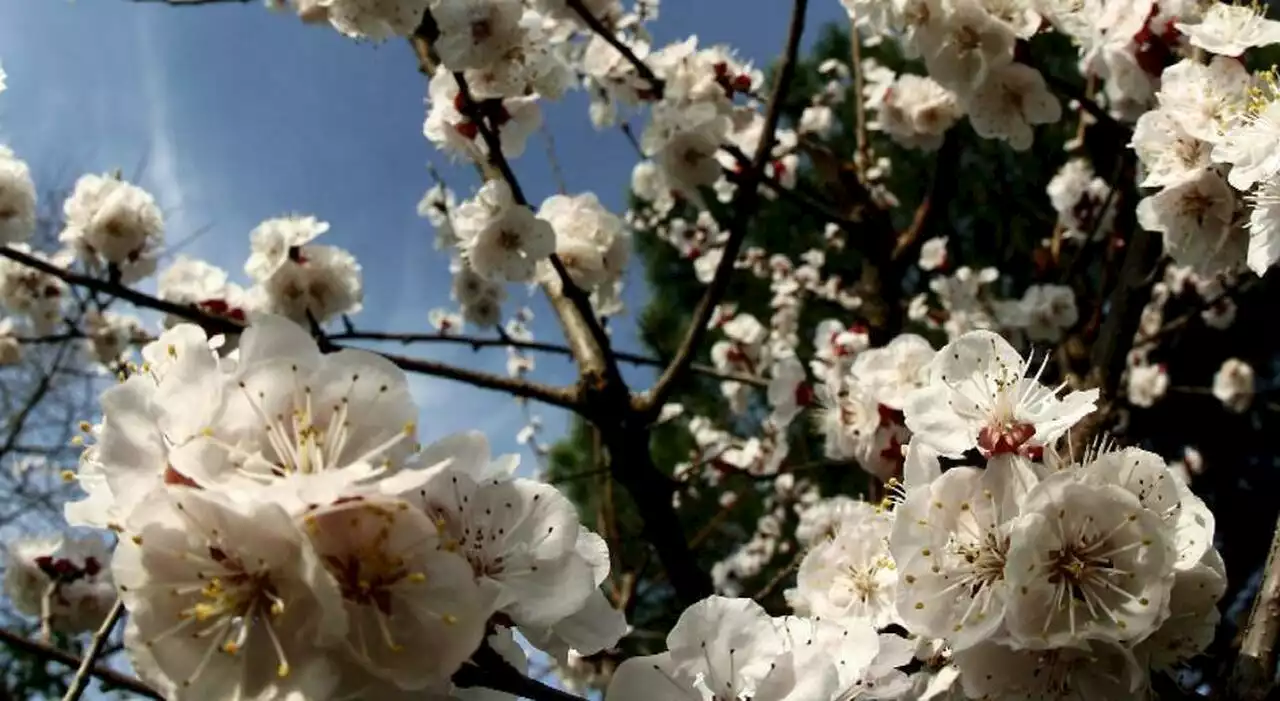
(892, 454)
(172, 476)
(1000, 440)
(889, 416)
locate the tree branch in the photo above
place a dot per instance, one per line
(859, 100)
(934, 205)
(793, 195)
(1116, 336)
(489, 671)
(743, 207)
(108, 676)
(192, 3)
(1254, 673)
(586, 336)
(477, 343)
(555, 396)
(81, 681)
(1207, 303)
(656, 84)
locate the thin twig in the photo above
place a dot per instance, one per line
(81, 681)
(781, 575)
(859, 101)
(553, 158)
(934, 205)
(555, 396)
(743, 208)
(1205, 304)
(109, 676)
(1069, 90)
(46, 612)
(478, 343)
(792, 194)
(192, 3)
(655, 83)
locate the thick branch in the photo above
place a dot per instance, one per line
(744, 206)
(631, 464)
(1254, 673)
(1124, 309)
(109, 676)
(555, 396)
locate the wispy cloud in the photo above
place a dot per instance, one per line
(161, 165)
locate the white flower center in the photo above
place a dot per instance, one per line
(227, 600)
(368, 574)
(1085, 572)
(860, 582)
(308, 438)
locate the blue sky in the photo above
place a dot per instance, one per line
(240, 114)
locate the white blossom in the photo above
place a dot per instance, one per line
(951, 539)
(850, 577)
(64, 581)
(533, 559)
(1043, 313)
(1229, 30)
(592, 243)
(224, 597)
(17, 198)
(475, 33)
(1146, 384)
(273, 242)
(315, 283)
(1009, 102)
(1233, 385)
(933, 254)
(1094, 670)
(1197, 220)
(1086, 560)
(402, 589)
(365, 19)
(113, 222)
(502, 239)
(979, 395)
(965, 46)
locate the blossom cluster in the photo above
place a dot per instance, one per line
(63, 582)
(968, 48)
(115, 228)
(281, 530)
(1019, 573)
